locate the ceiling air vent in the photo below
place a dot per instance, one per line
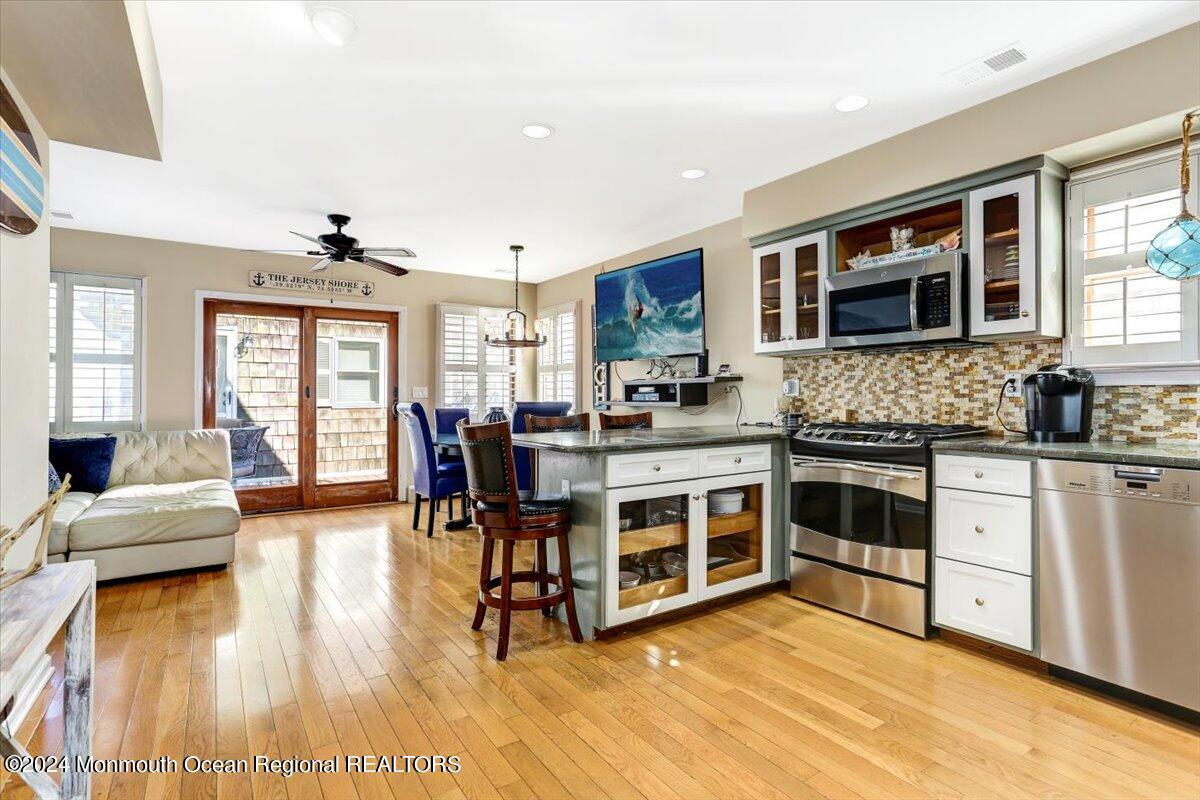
(986, 67)
(62, 215)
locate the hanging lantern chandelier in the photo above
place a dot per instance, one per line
(515, 332)
(1175, 251)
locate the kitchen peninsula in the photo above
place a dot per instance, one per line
(666, 518)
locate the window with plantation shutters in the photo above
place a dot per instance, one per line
(95, 352)
(349, 372)
(470, 374)
(556, 359)
(1127, 323)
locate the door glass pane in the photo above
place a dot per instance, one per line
(352, 421)
(735, 526)
(653, 549)
(1001, 257)
(258, 396)
(807, 294)
(769, 278)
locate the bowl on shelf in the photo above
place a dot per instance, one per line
(674, 563)
(628, 579)
(725, 501)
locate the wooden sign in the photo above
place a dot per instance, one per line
(22, 182)
(265, 279)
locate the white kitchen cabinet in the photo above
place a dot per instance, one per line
(1015, 258)
(992, 530)
(984, 474)
(989, 603)
(789, 294)
(648, 525)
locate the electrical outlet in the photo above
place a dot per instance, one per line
(420, 393)
(566, 488)
(1012, 385)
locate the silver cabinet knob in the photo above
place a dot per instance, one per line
(704, 495)
(658, 468)
(978, 473)
(1024, 313)
(978, 601)
(737, 459)
(979, 529)
(695, 497)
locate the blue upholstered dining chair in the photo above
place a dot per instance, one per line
(431, 480)
(521, 454)
(444, 420)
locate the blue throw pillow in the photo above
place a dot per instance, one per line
(55, 482)
(88, 461)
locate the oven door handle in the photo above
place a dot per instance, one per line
(887, 473)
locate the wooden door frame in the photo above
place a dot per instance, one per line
(306, 493)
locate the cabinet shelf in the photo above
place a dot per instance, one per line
(729, 524)
(656, 590)
(770, 281)
(1002, 236)
(652, 538)
(730, 572)
(1004, 283)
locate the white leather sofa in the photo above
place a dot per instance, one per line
(169, 505)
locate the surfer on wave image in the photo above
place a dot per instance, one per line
(651, 310)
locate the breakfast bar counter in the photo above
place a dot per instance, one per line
(665, 518)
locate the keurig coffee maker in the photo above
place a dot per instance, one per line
(1058, 404)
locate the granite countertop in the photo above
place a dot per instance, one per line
(648, 439)
(1181, 454)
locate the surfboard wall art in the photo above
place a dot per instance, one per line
(22, 182)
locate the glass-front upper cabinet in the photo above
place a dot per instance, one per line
(649, 549)
(1003, 258)
(789, 294)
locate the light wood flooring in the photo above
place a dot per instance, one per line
(344, 632)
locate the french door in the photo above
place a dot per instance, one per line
(306, 393)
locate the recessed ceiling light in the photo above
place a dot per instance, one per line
(537, 130)
(505, 271)
(852, 102)
(692, 174)
(333, 25)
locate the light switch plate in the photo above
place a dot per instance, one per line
(420, 393)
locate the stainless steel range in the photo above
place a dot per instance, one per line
(860, 521)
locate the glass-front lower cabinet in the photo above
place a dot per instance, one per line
(669, 545)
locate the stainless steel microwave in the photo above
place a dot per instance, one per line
(913, 302)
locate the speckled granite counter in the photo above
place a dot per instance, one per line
(1184, 455)
(617, 441)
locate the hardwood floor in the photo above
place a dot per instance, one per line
(345, 633)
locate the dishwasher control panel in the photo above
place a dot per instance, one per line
(1121, 480)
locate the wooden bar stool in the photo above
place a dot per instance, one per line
(564, 424)
(616, 422)
(506, 515)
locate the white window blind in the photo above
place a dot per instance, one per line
(470, 374)
(1126, 322)
(556, 359)
(95, 378)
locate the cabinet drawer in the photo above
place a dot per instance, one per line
(637, 468)
(735, 460)
(991, 530)
(982, 474)
(985, 602)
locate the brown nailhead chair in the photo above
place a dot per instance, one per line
(534, 424)
(616, 422)
(503, 515)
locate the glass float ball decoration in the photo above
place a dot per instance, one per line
(1175, 251)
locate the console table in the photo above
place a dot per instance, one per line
(31, 612)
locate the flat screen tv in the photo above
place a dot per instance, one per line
(651, 310)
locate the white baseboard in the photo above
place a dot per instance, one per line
(31, 687)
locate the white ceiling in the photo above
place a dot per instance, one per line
(414, 128)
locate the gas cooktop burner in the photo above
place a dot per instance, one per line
(885, 434)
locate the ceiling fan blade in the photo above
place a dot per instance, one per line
(390, 269)
(320, 265)
(402, 252)
(311, 239)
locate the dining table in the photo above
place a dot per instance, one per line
(447, 444)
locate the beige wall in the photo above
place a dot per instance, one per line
(174, 271)
(728, 301)
(1141, 83)
(24, 367)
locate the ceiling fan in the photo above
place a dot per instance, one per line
(338, 247)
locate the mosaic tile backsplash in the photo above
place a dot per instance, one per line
(962, 385)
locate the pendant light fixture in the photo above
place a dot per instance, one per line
(1175, 251)
(515, 332)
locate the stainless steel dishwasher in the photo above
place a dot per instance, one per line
(1119, 575)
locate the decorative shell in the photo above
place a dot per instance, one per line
(950, 241)
(856, 261)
